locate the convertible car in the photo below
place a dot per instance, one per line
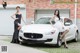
(41, 31)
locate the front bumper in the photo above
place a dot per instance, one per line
(47, 39)
(34, 40)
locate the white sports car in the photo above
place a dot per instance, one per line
(41, 31)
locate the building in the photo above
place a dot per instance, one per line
(33, 5)
(36, 5)
(39, 8)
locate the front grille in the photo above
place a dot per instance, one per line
(33, 35)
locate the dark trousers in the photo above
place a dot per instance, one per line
(16, 33)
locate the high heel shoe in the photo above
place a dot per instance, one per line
(12, 42)
(65, 46)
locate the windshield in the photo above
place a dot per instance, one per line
(43, 21)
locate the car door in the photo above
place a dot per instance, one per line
(69, 24)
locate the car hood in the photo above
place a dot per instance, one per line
(37, 28)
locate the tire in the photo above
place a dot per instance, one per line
(59, 42)
(21, 43)
(76, 36)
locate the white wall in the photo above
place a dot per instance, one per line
(43, 12)
(6, 22)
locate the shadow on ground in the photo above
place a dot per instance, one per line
(70, 43)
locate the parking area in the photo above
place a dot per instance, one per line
(15, 48)
(74, 47)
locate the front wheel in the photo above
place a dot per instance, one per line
(76, 36)
(59, 42)
(21, 43)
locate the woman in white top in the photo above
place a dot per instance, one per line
(59, 24)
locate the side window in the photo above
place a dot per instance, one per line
(53, 22)
(67, 22)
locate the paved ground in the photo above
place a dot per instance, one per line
(74, 47)
(16, 48)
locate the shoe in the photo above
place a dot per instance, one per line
(17, 41)
(12, 42)
(65, 46)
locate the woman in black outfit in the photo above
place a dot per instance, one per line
(17, 25)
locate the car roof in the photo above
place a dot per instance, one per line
(46, 17)
(64, 17)
(51, 17)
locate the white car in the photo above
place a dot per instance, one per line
(42, 32)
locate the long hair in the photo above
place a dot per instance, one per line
(58, 15)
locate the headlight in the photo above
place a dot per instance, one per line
(50, 33)
(21, 31)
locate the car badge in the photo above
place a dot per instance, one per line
(32, 36)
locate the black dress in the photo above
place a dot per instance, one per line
(16, 31)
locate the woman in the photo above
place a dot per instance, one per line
(17, 24)
(61, 27)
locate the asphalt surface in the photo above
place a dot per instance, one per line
(16, 48)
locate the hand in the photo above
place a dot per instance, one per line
(16, 18)
(19, 24)
(19, 28)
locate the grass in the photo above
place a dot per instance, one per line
(74, 47)
(60, 50)
(8, 39)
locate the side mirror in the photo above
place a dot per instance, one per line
(32, 22)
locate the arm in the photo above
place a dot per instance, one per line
(13, 17)
(23, 20)
(52, 20)
(20, 24)
(62, 22)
